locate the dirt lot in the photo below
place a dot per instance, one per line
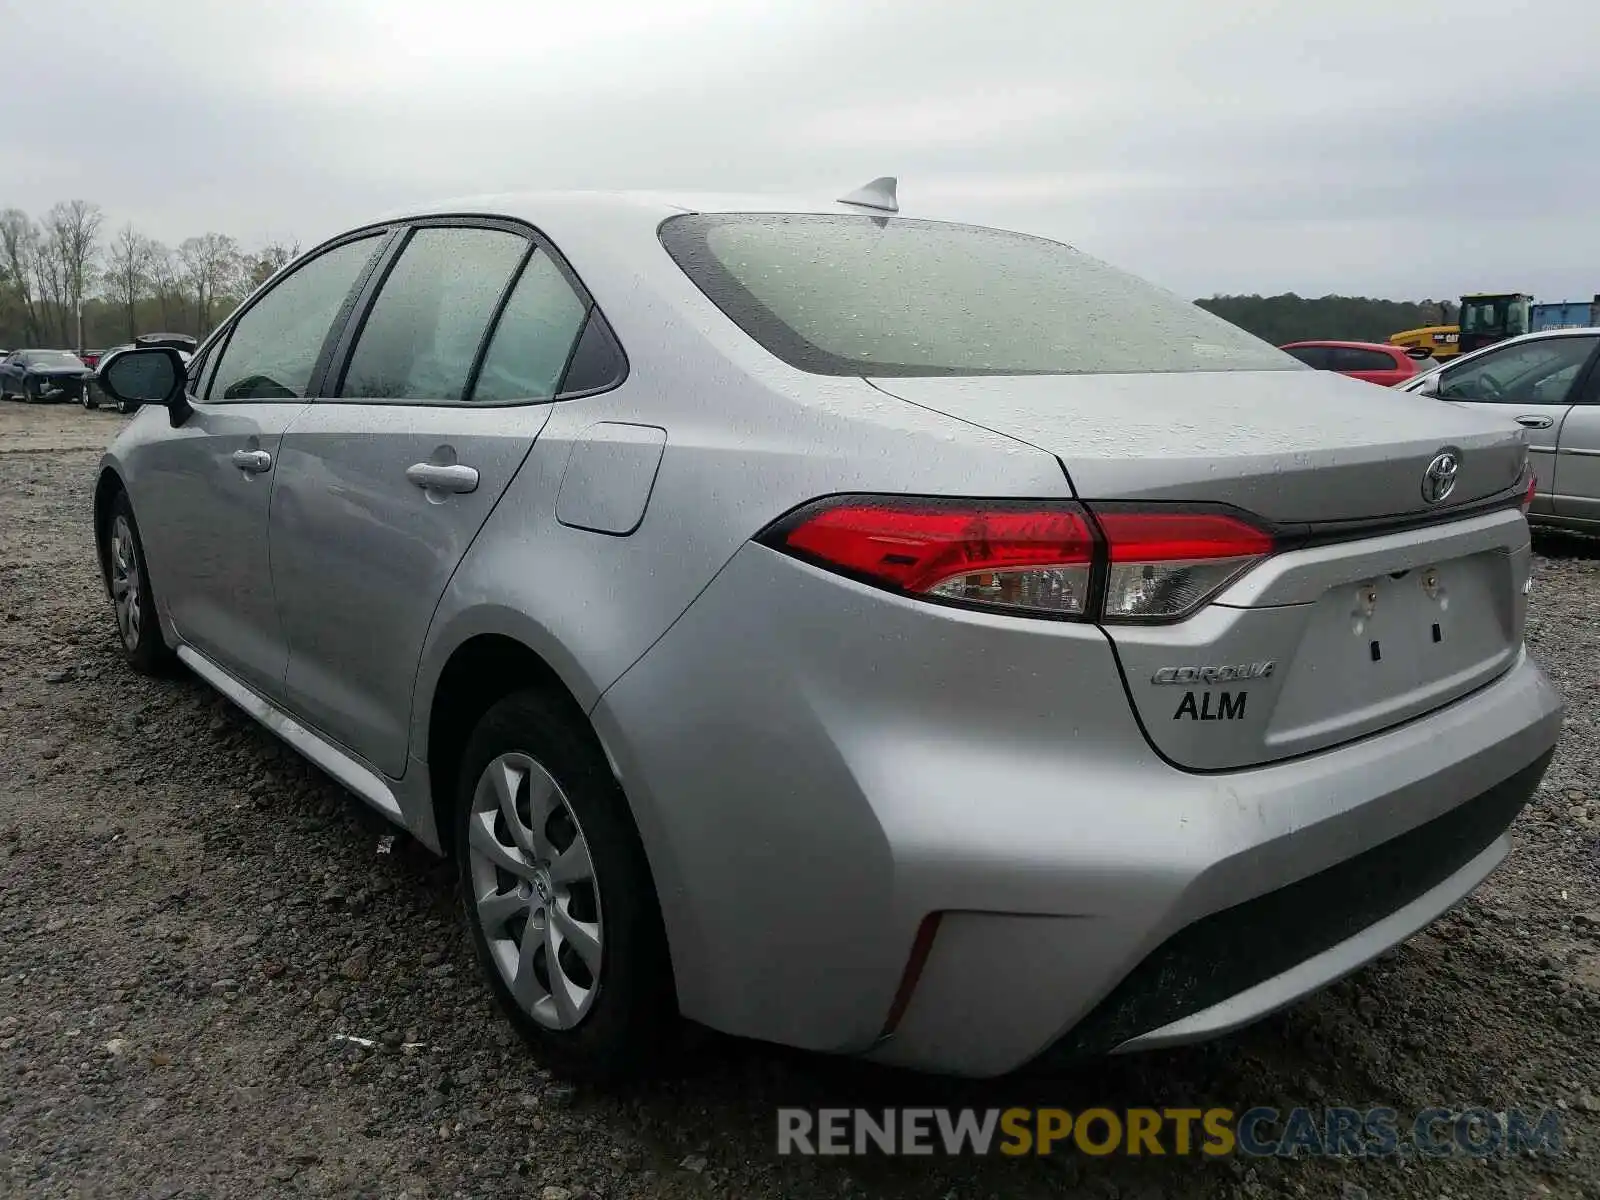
(190, 916)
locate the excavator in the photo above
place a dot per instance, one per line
(1489, 317)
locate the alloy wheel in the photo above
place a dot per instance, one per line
(126, 590)
(534, 892)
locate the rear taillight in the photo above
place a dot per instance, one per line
(1164, 565)
(1527, 496)
(1028, 556)
(1058, 559)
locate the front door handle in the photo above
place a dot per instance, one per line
(253, 461)
(433, 477)
(1536, 421)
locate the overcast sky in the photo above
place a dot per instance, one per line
(1411, 149)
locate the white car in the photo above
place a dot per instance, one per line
(1548, 383)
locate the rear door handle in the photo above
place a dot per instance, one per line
(253, 461)
(433, 477)
(1533, 421)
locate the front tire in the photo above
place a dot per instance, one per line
(88, 399)
(558, 893)
(132, 597)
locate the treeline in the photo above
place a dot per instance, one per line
(1292, 318)
(64, 265)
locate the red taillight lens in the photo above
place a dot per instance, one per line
(1031, 556)
(1527, 497)
(1164, 565)
(1040, 557)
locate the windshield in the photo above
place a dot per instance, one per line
(52, 358)
(1506, 314)
(848, 295)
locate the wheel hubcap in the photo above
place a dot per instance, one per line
(534, 891)
(126, 592)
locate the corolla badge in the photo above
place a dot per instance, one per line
(1439, 480)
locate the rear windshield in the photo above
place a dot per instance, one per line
(849, 295)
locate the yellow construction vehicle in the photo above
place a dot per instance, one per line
(1486, 318)
(1440, 341)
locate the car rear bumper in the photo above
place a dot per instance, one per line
(817, 767)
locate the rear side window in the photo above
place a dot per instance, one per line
(860, 295)
(423, 333)
(534, 338)
(1354, 358)
(275, 344)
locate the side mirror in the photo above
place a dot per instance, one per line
(1420, 353)
(147, 375)
(1430, 385)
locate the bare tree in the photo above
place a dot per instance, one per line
(72, 234)
(211, 267)
(269, 260)
(50, 286)
(19, 246)
(164, 281)
(129, 273)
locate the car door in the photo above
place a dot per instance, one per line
(1532, 383)
(1578, 454)
(381, 488)
(202, 490)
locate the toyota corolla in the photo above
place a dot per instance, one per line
(878, 635)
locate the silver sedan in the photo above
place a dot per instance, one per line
(878, 635)
(1549, 383)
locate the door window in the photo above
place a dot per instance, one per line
(275, 344)
(1354, 358)
(423, 333)
(1540, 372)
(534, 337)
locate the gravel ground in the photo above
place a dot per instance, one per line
(190, 917)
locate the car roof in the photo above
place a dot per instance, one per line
(653, 206)
(1344, 345)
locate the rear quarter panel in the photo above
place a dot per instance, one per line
(746, 439)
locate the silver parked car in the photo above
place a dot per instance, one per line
(871, 634)
(1550, 384)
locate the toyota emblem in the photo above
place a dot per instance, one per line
(1439, 480)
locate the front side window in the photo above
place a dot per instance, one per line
(422, 335)
(276, 342)
(1316, 357)
(1539, 372)
(888, 296)
(534, 337)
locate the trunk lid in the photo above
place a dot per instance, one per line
(1336, 637)
(1291, 446)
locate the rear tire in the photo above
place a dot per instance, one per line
(558, 893)
(132, 596)
(89, 401)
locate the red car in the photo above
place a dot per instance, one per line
(1374, 362)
